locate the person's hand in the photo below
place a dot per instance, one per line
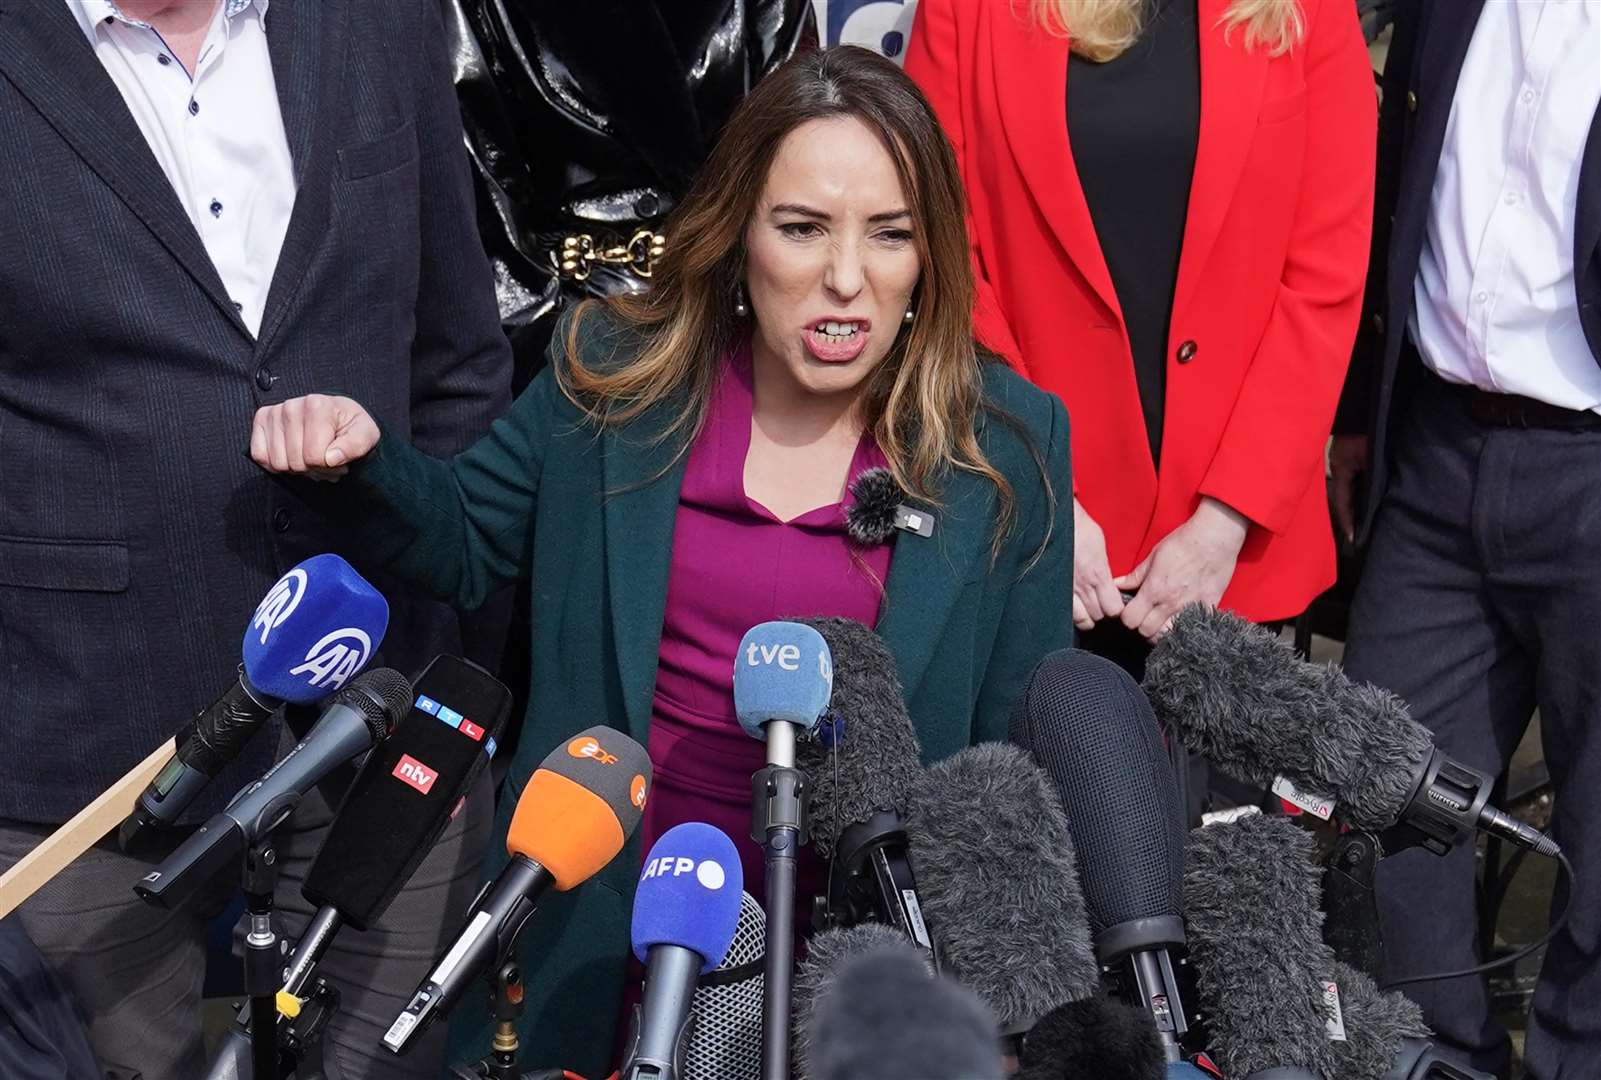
(315, 436)
(1348, 458)
(1095, 597)
(1192, 564)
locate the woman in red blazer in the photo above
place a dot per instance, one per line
(1169, 214)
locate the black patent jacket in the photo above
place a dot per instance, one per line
(587, 121)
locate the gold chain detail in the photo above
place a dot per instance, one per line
(578, 255)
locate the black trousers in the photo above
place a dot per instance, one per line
(1480, 601)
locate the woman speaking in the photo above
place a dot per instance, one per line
(682, 471)
(1170, 207)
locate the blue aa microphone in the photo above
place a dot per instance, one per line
(783, 679)
(686, 910)
(316, 628)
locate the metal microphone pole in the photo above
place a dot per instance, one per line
(778, 802)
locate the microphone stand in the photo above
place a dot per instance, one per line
(778, 823)
(506, 984)
(262, 958)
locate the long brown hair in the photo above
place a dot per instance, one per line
(923, 400)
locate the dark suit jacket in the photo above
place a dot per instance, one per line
(135, 535)
(531, 500)
(1420, 76)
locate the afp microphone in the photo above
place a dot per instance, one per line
(859, 775)
(686, 910)
(317, 627)
(579, 808)
(1235, 693)
(358, 717)
(1087, 723)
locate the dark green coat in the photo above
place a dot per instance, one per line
(529, 499)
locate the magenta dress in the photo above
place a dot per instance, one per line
(735, 565)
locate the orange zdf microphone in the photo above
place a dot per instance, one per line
(579, 808)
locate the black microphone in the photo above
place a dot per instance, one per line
(1235, 693)
(356, 718)
(886, 1014)
(579, 808)
(406, 794)
(859, 773)
(996, 872)
(1086, 722)
(827, 953)
(1094, 1037)
(725, 1042)
(1252, 894)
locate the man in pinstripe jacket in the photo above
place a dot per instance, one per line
(207, 207)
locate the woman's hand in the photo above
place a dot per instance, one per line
(316, 436)
(1193, 564)
(1095, 596)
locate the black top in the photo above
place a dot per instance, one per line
(1133, 124)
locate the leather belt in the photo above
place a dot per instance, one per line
(1516, 411)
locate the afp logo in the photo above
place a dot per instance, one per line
(279, 603)
(708, 872)
(334, 659)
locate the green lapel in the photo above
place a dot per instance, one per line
(927, 573)
(640, 510)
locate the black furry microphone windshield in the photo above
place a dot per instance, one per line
(827, 954)
(1096, 1037)
(870, 520)
(887, 1016)
(995, 860)
(876, 758)
(1252, 898)
(1235, 693)
(1377, 1025)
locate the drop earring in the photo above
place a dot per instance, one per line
(741, 309)
(908, 317)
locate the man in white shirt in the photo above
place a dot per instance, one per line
(207, 206)
(1474, 405)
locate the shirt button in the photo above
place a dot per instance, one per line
(194, 108)
(163, 59)
(280, 520)
(1528, 96)
(1511, 198)
(264, 378)
(1411, 101)
(1187, 352)
(1378, 324)
(216, 208)
(1481, 296)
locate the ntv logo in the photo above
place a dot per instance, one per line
(279, 603)
(335, 658)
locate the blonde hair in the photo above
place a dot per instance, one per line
(1103, 29)
(923, 402)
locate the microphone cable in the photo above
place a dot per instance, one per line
(1512, 958)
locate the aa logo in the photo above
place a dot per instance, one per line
(279, 603)
(334, 659)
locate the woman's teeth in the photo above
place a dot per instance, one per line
(841, 331)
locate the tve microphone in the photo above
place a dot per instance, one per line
(859, 784)
(1237, 694)
(725, 1042)
(580, 806)
(315, 629)
(686, 910)
(996, 871)
(357, 717)
(886, 1015)
(1255, 930)
(1087, 723)
(404, 796)
(783, 677)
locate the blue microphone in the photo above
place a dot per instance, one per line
(317, 627)
(685, 913)
(783, 679)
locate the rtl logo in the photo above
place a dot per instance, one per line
(586, 747)
(413, 772)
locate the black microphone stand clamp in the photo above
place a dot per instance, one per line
(263, 961)
(506, 990)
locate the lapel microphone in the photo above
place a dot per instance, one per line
(879, 510)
